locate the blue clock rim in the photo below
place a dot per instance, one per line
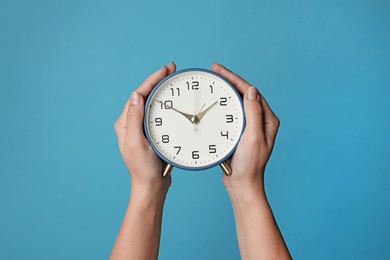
(173, 163)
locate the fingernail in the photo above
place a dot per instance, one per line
(252, 93)
(134, 99)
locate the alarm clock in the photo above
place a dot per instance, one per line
(194, 119)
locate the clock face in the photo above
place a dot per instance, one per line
(194, 119)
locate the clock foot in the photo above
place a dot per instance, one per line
(226, 168)
(167, 170)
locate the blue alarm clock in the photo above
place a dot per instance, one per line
(194, 119)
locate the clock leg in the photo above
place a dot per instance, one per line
(167, 170)
(226, 168)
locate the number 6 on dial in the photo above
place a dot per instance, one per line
(194, 119)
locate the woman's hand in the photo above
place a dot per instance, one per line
(144, 166)
(255, 147)
(258, 234)
(139, 235)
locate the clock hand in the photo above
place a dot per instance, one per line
(195, 118)
(194, 122)
(201, 108)
(188, 116)
(202, 113)
(194, 102)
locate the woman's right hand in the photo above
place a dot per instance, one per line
(254, 149)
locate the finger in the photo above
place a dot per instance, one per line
(239, 83)
(271, 121)
(147, 86)
(131, 113)
(121, 121)
(120, 126)
(254, 113)
(134, 119)
(171, 67)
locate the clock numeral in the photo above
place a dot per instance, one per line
(212, 148)
(194, 85)
(223, 101)
(158, 121)
(173, 91)
(165, 139)
(227, 134)
(168, 104)
(229, 118)
(211, 89)
(178, 149)
(195, 155)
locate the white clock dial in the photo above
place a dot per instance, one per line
(194, 119)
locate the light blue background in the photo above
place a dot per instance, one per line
(67, 67)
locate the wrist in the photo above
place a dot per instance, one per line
(245, 191)
(147, 195)
(158, 185)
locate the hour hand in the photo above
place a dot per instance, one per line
(188, 116)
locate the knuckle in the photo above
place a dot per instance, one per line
(240, 81)
(276, 121)
(116, 125)
(132, 115)
(257, 112)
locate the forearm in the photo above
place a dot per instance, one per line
(139, 235)
(257, 232)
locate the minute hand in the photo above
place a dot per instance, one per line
(188, 116)
(202, 113)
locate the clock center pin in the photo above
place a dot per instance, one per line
(194, 119)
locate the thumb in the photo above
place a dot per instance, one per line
(134, 119)
(253, 113)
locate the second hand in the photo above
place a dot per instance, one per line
(193, 125)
